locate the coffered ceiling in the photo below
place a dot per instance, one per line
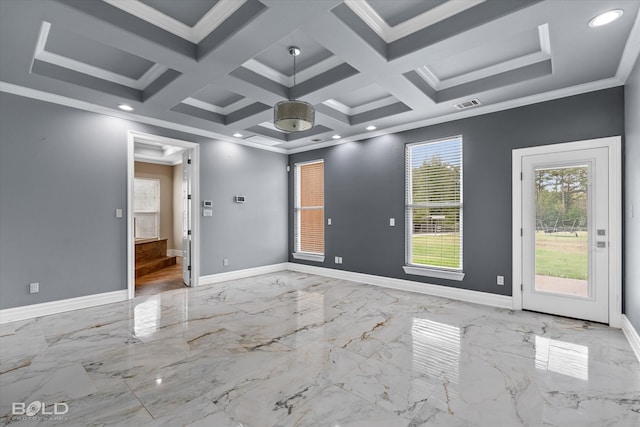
(217, 67)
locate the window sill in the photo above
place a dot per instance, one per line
(308, 257)
(431, 272)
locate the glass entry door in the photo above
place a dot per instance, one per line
(565, 233)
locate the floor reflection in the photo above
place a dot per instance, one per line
(436, 349)
(147, 317)
(562, 357)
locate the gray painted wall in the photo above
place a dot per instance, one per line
(632, 198)
(63, 174)
(253, 233)
(364, 186)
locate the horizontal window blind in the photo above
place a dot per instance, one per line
(434, 203)
(310, 207)
(146, 206)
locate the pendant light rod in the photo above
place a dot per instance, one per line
(294, 51)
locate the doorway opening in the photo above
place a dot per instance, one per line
(162, 183)
(567, 230)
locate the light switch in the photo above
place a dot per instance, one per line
(118, 213)
(328, 221)
(392, 222)
(207, 212)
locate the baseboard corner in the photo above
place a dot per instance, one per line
(632, 336)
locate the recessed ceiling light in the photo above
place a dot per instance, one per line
(336, 137)
(237, 135)
(605, 18)
(125, 107)
(372, 127)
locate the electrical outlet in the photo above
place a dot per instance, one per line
(34, 288)
(337, 260)
(328, 221)
(225, 262)
(392, 222)
(500, 280)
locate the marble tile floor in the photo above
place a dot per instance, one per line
(291, 349)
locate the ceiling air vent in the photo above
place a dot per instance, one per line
(467, 104)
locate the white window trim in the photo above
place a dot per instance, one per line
(307, 256)
(426, 270)
(432, 272)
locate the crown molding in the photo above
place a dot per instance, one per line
(390, 34)
(87, 106)
(631, 52)
(209, 22)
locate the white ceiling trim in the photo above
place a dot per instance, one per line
(478, 111)
(155, 17)
(631, 52)
(363, 108)
(485, 109)
(544, 38)
(270, 125)
(150, 75)
(390, 34)
(62, 61)
(258, 139)
(214, 18)
(301, 76)
(209, 22)
(482, 73)
(511, 64)
(87, 106)
(214, 108)
(337, 105)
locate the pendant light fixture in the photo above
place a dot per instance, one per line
(292, 115)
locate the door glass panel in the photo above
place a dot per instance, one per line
(561, 237)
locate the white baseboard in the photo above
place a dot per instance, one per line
(174, 252)
(241, 274)
(54, 307)
(632, 336)
(484, 298)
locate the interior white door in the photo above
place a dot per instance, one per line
(187, 167)
(565, 234)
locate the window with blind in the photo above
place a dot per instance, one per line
(146, 206)
(309, 210)
(434, 206)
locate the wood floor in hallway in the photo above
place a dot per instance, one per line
(166, 279)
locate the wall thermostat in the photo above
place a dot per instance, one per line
(239, 199)
(207, 203)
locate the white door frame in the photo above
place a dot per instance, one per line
(195, 196)
(615, 217)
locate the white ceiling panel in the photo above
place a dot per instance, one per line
(217, 67)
